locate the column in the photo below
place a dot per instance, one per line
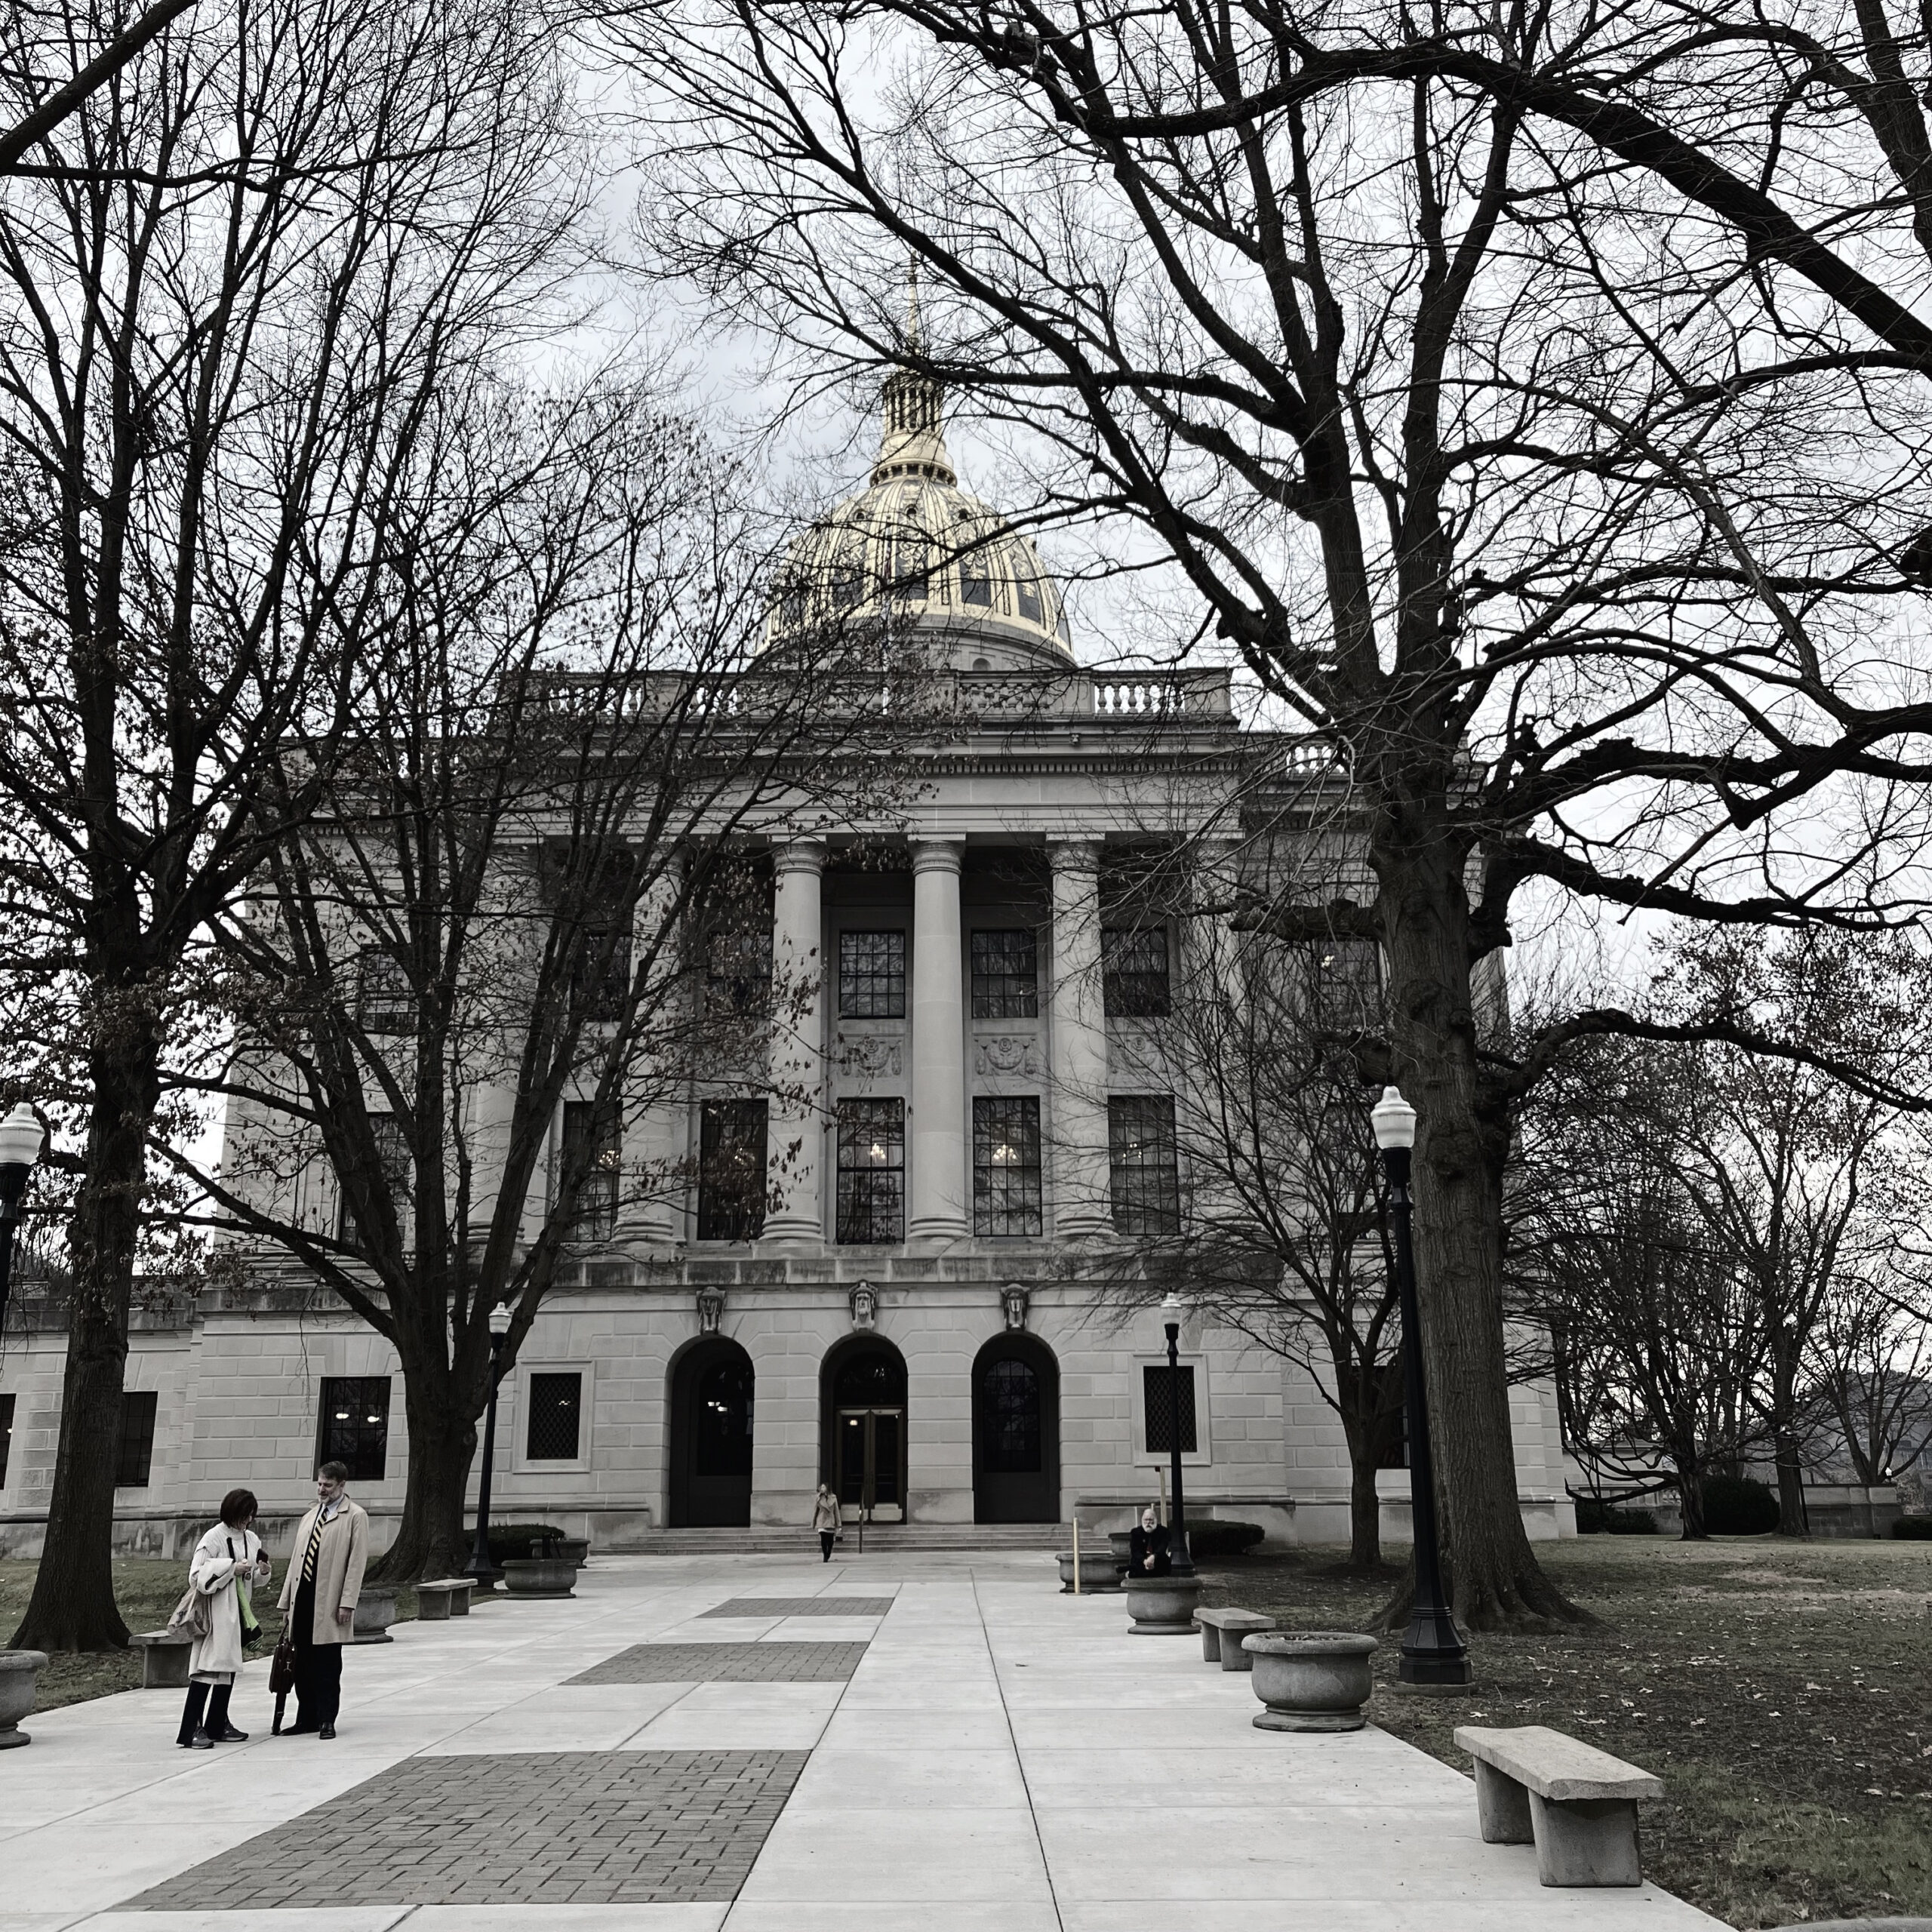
(1076, 1045)
(796, 1129)
(935, 1145)
(657, 1107)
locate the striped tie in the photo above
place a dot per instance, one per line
(308, 1556)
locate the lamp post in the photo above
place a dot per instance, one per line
(479, 1567)
(1434, 1656)
(21, 1135)
(1183, 1564)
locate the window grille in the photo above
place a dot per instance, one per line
(872, 976)
(1006, 1166)
(385, 1002)
(1133, 972)
(1157, 1409)
(1006, 974)
(355, 1424)
(1345, 986)
(553, 1431)
(398, 1167)
(737, 971)
(593, 1147)
(1012, 1444)
(731, 1170)
(1143, 1165)
(135, 1459)
(871, 1171)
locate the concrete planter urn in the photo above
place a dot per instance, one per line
(576, 1549)
(539, 1576)
(18, 1670)
(1311, 1680)
(1162, 1606)
(375, 1611)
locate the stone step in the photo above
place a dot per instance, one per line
(880, 1538)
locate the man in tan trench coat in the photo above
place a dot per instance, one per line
(320, 1593)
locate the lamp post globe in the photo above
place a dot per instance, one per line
(480, 1568)
(1172, 1311)
(21, 1136)
(1434, 1657)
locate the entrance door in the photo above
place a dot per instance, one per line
(863, 1391)
(711, 1411)
(1015, 1432)
(871, 1445)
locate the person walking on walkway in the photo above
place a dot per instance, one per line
(320, 1593)
(1150, 1549)
(226, 1566)
(827, 1521)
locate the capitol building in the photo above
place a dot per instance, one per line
(920, 1316)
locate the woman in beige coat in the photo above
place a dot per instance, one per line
(320, 1592)
(827, 1521)
(227, 1566)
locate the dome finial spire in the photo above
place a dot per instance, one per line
(914, 441)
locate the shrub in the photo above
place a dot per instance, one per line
(1212, 1537)
(513, 1541)
(1913, 1529)
(1595, 1519)
(1738, 1506)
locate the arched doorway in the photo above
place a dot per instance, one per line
(1015, 1432)
(712, 1390)
(862, 1398)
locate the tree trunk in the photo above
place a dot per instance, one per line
(73, 1607)
(1792, 1520)
(429, 1541)
(1691, 1492)
(1462, 1138)
(1364, 1514)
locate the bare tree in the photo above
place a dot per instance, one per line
(1656, 1338)
(467, 987)
(274, 225)
(1871, 1383)
(1448, 454)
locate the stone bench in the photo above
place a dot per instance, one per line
(163, 1659)
(1578, 1804)
(448, 1596)
(1221, 1633)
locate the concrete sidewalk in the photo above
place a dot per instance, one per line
(987, 1753)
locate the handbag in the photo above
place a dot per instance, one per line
(191, 1617)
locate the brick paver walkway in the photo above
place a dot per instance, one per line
(801, 1607)
(540, 1827)
(726, 1663)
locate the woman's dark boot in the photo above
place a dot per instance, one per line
(192, 1732)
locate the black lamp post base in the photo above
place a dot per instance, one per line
(1435, 1676)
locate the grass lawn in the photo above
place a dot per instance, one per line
(147, 1588)
(1782, 1691)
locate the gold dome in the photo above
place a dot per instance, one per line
(913, 547)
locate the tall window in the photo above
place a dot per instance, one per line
(555, 1427)
(738, 969)
(1157, 1406)
(1345, 986)
(872, 976)
(1006, 1166)
(1006, 975)
(600, 977)
(592, 1145)
(384, 1003)
(730, 1170)
(397, 1168)
(355, 1424)
(871, 1171)
(1012, 1426)
(135, 1457)
(6, 1436)
(1142, 1164)
(1133, 972)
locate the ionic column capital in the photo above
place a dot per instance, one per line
(937, 855)
(1074, 854)
(799, 855)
